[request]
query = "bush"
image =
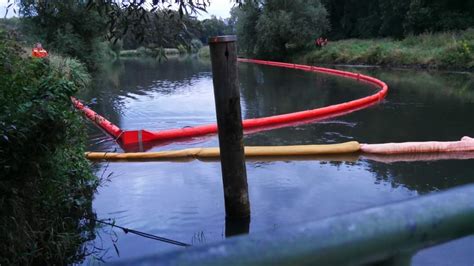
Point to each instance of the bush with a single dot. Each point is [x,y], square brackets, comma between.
[141,51]
[204,52]
[182,49]
[46,184]
[459,54]
[196,45]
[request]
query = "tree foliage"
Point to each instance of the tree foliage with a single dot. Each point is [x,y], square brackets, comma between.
[272,28]
[90,30]
[166,28]
[162,29]
[397,18]
[66,27]
[214,27]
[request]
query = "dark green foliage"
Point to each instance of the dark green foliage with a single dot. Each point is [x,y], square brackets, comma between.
[67,27]
[439,15]
[161,29]
[46,184]
[165,28]
[397,18]
[246,26]
[215,27]
[277,26]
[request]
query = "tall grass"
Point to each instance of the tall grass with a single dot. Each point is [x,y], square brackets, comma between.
[441,50]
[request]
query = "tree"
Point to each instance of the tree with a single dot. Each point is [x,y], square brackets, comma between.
[280,26]
[396,18]
[246,19]
[66,26]
[214,27]
[78,28]
[439,15]
[163,28]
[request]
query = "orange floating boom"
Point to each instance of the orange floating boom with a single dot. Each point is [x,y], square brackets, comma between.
[132,137]
[100,121]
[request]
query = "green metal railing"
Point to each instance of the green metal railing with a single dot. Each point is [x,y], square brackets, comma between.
[385,235]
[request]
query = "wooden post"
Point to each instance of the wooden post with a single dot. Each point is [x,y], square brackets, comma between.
[229,121]
[237,226]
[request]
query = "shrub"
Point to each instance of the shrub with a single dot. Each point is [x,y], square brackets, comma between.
[141,51]
[182,49]
[458,54]
[46,184]
[204,52]
[196,45]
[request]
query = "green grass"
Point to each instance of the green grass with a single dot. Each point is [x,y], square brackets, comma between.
[147,52]
[441,50]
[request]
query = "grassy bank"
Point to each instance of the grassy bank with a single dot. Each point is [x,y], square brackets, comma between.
[147,52]
[450,50]
[46,185]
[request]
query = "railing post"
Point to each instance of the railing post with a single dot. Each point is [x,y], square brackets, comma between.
[229,121]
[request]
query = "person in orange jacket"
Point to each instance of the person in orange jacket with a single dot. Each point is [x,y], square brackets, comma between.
[39,51]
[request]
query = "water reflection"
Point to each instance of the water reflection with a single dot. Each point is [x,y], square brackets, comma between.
[184,201]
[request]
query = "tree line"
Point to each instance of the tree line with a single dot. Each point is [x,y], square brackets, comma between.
[266,28]
[275,28]
[94,31]
[396,18]
[166,28]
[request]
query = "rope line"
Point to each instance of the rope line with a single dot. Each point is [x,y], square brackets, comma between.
[143,234]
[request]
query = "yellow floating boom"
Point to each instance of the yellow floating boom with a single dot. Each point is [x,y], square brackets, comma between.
[250,151]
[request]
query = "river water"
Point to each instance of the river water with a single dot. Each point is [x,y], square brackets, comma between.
[184,200]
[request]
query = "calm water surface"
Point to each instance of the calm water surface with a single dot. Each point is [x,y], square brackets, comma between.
[184,200]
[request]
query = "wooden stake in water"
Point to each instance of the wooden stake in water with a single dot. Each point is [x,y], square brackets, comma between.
[229,121]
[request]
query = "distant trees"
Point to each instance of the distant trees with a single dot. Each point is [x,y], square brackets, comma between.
[271,28]
[214,27]
[95,30]
[396,18]
[81,29]
[166,28]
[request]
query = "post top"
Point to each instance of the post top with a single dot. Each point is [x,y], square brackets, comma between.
[223,38]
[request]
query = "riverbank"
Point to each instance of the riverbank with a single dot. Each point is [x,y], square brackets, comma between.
[450,50]
[46,187]
[144,52]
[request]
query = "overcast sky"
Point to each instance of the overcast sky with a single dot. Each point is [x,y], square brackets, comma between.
[219,8]
[3,4]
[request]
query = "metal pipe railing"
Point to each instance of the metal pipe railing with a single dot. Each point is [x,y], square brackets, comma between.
[387,234]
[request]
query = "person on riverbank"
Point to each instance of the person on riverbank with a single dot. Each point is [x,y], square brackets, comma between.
[320,42]
[38,51]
